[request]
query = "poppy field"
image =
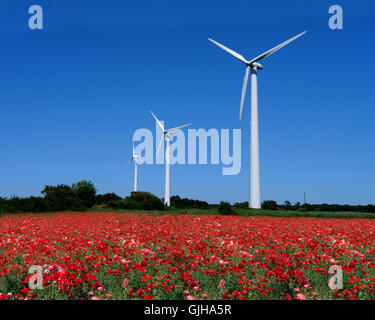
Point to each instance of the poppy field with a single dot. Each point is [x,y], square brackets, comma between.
[109,256]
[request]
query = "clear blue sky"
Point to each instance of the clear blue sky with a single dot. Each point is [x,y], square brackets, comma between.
[72,95]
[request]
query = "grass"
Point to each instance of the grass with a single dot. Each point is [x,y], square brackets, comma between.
[250,213]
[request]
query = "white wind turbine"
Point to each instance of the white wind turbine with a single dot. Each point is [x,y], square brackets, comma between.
[166,135]
[254,139]
[135,159]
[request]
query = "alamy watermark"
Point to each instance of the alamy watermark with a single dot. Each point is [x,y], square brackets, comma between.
[36,280]
[335,282]
[36,20]
[336,21]
[203,147]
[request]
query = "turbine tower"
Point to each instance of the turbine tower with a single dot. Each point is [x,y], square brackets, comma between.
[135,159]
[166,136]
[254,132]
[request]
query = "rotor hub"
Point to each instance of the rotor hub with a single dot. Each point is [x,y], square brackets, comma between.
[257,66]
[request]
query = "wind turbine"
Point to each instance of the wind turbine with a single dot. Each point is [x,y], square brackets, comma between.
[254,132]
[166,136]
[135,159]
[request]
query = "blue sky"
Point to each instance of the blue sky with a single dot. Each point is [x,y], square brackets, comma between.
[73,93]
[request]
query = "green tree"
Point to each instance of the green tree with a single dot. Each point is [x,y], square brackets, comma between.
[86,192]
[146,201]
[243,205]
[269,205]
[225,208]
[287,205]
[186,203]
[106,198]
[369,208]
[138,200]
[62,197]
[296,206]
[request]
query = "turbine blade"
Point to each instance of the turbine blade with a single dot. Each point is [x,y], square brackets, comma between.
[185,125]
[129,162]
[230,51]
[158,122]
[160,143]
[269,52]
[244,86]
[133,148]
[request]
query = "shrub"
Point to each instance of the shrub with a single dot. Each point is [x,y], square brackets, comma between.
[123,204]
[269,205]
[369,208]
[243,205]
[225,208]
[151,204]
[106,198]
[85,191]
[296,206]
[140,196]
[306,207]
[69,202]
[325,207]
[287,205]
[6,207]
[138,201]
[146,201]
[186,203]
[35,204]
[62,197]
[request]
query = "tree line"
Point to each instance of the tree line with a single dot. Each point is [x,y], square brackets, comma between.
[324,207]
[82,196]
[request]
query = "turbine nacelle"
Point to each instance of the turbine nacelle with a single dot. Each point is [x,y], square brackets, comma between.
[256,65]
[134,157]
[167,132]
[253,64]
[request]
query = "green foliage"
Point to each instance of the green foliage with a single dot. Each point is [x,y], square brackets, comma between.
[326,207]
[61,198]
[186,203]
[15,204]
[296,206]
[138,201]
[140,196]
[369,208]
[287,205]
[225,208]
[78,197]
[8,205]
[82,196]
[34,204]
[243,205]
[106,198]
[269,205]
[85,191]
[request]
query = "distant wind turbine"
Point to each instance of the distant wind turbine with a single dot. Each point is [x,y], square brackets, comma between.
[166,135]
[135,159]
[254,140]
